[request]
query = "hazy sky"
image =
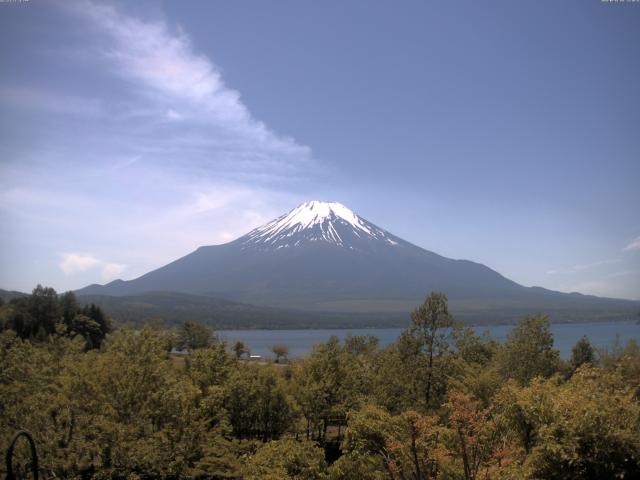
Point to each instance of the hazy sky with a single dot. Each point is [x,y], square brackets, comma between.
[503,132]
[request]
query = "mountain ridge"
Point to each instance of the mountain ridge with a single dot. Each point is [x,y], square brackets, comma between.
[321,256]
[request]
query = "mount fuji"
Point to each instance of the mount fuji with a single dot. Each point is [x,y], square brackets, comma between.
[322,257]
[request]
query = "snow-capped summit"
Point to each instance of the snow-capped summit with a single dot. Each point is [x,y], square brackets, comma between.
[316,221]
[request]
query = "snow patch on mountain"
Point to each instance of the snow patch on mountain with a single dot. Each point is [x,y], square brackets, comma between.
[315,221]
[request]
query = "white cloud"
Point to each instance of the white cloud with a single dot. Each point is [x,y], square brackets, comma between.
[599,263]
[163,158]
[72,263]
[111,271]
[623,273]
[173,115]
[77,262]
[634,245]
[179,84]
[584,266]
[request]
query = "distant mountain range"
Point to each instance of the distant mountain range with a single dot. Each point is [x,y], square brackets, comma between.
[323,264]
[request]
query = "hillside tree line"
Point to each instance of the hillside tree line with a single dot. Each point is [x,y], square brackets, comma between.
[440,403]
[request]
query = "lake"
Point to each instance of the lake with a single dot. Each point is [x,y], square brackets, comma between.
[565,336]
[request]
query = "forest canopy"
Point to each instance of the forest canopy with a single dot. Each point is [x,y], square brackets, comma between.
[439,403]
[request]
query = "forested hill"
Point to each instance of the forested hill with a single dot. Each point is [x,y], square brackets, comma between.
[173,308]
[7,295]
[439,403]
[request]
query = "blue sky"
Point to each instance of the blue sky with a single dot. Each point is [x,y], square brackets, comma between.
[501,132]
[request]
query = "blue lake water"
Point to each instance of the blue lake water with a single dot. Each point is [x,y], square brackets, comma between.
[300,342]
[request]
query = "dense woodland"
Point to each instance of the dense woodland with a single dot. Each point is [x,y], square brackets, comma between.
[439,403]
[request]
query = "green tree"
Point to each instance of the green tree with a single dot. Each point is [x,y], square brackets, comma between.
[87,328]
[287,458]
[257,402]
[222,458]
[583,352]
[320,387]
[528,351]
[209,366]
[591,430]
[417,362]
[405,445]
[44,308]
[473,348]
[240,349]
[193,335]
[69,307]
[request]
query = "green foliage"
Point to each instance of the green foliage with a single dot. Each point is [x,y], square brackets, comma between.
[208,367]
[430,329]
[321,387]
[193,335]
[44,313]
[257,403]
[404,445]
[584,428]
[240,349]
[473,348]
[582,353]
[413,372]
[282,459]
[440,403]
[528,351]
[222,458]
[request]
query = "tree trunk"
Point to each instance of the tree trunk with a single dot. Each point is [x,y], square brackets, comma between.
[414,454]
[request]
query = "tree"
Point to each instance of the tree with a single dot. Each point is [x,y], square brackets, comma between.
[130,409]
[194,335]
[430,329]
[257,402]
[590,431]
[44,314]
[320,387]
[69,307]
[281,351]
[44,308]
[211,366]
[405,444]
[473,348]
[288,458]
[87,328]
[240,349]
[222,458]
[583,352]
[94,331]
[369,435]
[476,435]
[528,351]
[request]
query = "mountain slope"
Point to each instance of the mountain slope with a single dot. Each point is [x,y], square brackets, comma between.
[323,257]
[7,295]
[174,308]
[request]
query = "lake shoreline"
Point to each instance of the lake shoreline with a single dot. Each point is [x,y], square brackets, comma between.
[472,325]
[300,341]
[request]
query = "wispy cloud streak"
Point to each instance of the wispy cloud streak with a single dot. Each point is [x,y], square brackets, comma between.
[584,266]
[154,156]
[633,245]
[178,85]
